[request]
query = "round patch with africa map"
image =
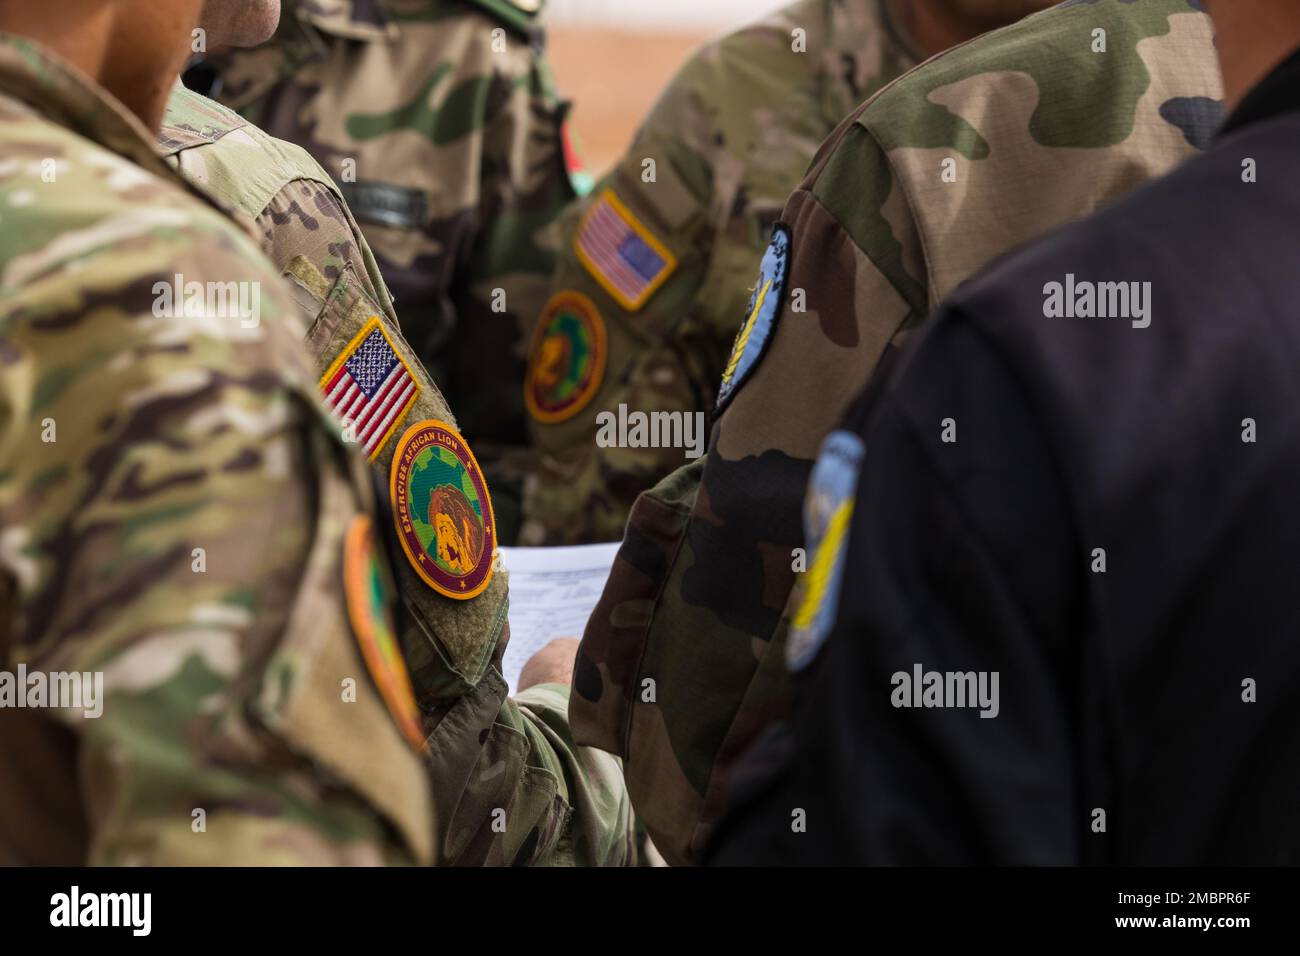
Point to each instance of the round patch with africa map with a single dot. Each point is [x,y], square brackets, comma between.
[567,361]
[442,510]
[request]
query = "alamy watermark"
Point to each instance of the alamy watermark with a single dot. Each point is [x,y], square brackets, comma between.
[63,690]
[218,300]
[651,430]
[1073,299]
[130,910]
[946,689]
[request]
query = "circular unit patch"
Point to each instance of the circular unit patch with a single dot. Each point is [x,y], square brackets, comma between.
[368,595]
[442,510]
[567,360]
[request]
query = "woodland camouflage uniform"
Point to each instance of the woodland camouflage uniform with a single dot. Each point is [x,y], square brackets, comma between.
[1039,127]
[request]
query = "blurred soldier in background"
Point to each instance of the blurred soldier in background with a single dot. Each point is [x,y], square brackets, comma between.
[183,520]
[654,265]
[1102,549]
[440,122]
[989,145]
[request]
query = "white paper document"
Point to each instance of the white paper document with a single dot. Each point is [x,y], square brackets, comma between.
[552,593]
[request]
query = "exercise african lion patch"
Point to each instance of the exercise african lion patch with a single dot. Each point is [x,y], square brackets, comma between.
[764,308]
[370,388]
[442,510]
[369,595]
[567,360]
[621,253]
[828,511]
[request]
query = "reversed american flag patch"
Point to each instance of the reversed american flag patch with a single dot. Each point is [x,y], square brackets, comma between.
[370,388]
[621,253]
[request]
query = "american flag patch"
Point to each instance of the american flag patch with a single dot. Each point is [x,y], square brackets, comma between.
[621,253]
[370,388]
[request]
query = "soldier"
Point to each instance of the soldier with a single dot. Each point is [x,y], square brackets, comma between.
[1104,553]
[452,646]
[654,265]
[440,122]
[975,151]
[188,531]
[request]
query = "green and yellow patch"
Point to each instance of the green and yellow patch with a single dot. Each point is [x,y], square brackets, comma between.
[369,595]
[566,363]
[442,510]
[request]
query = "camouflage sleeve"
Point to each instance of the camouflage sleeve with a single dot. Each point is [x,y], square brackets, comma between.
[174,514]
[509,785]
[306,218]
[608,335]
[716,548]
[513,789]
[600,830]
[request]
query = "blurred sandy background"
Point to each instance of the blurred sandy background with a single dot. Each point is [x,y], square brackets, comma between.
[612,58]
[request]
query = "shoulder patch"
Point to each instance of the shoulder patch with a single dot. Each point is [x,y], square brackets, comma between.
[369,594]
[621,253]
[442,510]
[828,512]
[370,388]
[764,308]
[566,363]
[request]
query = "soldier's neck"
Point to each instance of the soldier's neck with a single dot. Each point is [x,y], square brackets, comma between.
[121,44]
[929,27]
[1253,37]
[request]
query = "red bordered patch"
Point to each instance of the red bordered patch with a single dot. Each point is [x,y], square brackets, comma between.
[442,510]
[368,595]
[567,360]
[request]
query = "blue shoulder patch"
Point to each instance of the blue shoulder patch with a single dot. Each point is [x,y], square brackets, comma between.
[764,308]
[828,513]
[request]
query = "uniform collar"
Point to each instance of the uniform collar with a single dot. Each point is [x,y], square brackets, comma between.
[59,91]
[366,20]
[1277,93]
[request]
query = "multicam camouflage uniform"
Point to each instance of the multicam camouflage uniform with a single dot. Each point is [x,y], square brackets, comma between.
[440,121]
[662,264]
[174,510]
[178,515]
[1039,129]
[452,647]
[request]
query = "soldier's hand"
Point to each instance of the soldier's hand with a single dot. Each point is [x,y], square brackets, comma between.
[553,664]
